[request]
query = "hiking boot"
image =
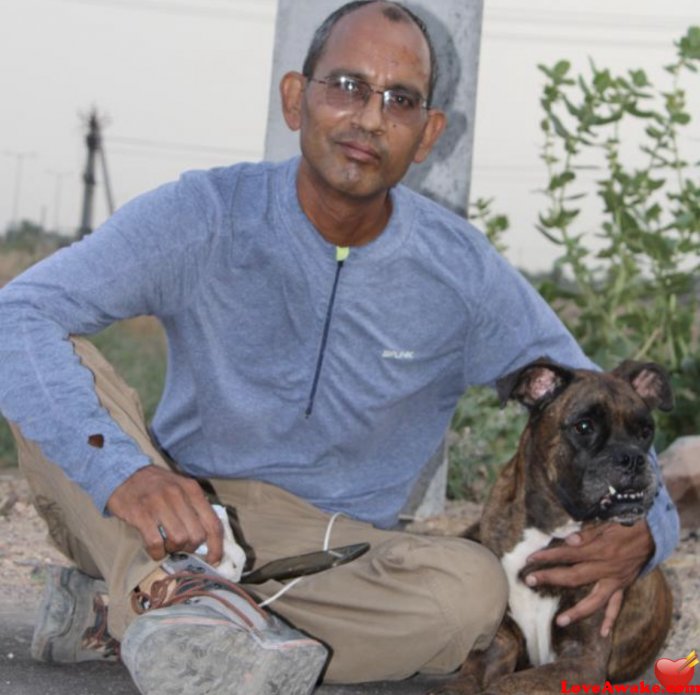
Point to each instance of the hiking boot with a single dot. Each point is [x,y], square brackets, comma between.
[72,620]
[200,634]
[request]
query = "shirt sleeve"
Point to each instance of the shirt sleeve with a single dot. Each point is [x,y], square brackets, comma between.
[145,260]
[515,326]
[663,522]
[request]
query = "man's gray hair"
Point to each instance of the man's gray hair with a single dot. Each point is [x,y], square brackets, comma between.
[394,11]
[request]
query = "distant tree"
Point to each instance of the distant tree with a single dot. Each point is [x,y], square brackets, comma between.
[32,238]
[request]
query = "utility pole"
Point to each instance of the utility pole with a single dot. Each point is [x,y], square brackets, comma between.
[19,161]
[95,149]
[58,185]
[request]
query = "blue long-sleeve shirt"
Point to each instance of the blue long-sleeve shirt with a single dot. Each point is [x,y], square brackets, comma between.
[335,380]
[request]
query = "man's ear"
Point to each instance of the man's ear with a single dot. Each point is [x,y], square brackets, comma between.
[292,92]
[432,131]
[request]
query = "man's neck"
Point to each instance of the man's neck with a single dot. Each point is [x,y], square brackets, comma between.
[340,219]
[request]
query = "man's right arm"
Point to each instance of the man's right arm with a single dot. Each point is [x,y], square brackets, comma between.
[145,260]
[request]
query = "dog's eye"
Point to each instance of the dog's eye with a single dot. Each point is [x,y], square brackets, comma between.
[646,432]
[584,427]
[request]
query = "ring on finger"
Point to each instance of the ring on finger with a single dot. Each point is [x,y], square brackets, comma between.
[162,532]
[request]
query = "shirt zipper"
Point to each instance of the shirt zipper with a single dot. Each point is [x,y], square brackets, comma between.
[341,253]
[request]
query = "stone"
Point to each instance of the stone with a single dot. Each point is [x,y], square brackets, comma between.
[680,465]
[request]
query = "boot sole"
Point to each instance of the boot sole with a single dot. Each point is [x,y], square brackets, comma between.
[188,654]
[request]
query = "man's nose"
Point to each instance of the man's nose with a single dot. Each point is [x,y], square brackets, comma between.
[371,115]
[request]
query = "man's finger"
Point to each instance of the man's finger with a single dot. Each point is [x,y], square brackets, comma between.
[588,605]
[153,540]
[566,554]
[576,575]
[208,524]
[612,610]
[583,546]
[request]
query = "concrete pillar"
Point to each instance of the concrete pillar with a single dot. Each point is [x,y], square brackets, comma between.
[455,27]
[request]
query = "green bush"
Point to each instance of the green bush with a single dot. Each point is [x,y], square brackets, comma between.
[626,288]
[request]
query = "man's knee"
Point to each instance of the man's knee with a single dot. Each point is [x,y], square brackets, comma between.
[470,591]
[465,598]
[469,585]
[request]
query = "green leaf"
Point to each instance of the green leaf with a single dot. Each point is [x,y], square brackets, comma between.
[559,128]
[561,180]
[690,44]
[681,117]
[561,69]
[639,78]
[542,230]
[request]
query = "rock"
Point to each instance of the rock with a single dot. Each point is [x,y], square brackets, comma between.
[7,502]
[680,464]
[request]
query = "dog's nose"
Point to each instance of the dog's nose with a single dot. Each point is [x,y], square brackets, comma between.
[632,462]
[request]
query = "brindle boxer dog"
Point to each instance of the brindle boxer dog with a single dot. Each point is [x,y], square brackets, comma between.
[582,459]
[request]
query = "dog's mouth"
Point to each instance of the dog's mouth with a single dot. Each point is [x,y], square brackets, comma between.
[624,506]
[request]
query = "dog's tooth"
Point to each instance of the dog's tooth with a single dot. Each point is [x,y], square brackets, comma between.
[612,490]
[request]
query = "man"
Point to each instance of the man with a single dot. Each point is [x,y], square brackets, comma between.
[322,322]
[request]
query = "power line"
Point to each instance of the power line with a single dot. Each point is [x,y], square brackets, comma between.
[182,147]
[568,39]
[178,8]
[58,185]
[19,162]
[655,23]
[179,157]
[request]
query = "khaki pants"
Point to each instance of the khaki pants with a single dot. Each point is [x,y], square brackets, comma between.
[411,604]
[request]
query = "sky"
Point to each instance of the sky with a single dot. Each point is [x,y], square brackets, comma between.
[183,84]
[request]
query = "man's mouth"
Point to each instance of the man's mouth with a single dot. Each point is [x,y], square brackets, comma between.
[359,151]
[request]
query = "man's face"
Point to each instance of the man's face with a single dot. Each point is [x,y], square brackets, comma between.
[361,152]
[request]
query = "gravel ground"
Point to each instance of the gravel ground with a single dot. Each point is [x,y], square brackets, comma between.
[25,552]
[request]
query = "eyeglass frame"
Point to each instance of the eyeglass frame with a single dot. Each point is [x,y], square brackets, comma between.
[423,103]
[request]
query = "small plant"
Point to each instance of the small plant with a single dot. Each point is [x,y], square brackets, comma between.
[482,438]
[493,224]
[627,288]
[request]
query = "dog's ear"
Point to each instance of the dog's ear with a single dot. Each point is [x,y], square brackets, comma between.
[534,383]
[650,381]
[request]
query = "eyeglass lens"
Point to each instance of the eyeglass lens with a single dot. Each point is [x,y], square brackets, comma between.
[346,92]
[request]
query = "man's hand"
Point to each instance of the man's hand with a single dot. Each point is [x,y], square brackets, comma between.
[608,555]
[170,512]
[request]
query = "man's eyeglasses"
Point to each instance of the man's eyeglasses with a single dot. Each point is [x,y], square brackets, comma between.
[351,93]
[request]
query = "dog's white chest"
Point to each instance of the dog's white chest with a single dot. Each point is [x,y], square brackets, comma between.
[533,613]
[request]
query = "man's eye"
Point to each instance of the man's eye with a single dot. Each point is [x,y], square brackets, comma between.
[584,427]
[348,85]
[402,101]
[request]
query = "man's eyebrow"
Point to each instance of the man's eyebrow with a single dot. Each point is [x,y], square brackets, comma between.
[399,86]
[340,72]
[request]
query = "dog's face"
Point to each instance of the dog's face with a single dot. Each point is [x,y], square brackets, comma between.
[594,430]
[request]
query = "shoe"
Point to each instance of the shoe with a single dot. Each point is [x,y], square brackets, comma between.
[198,634]
[72,620]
